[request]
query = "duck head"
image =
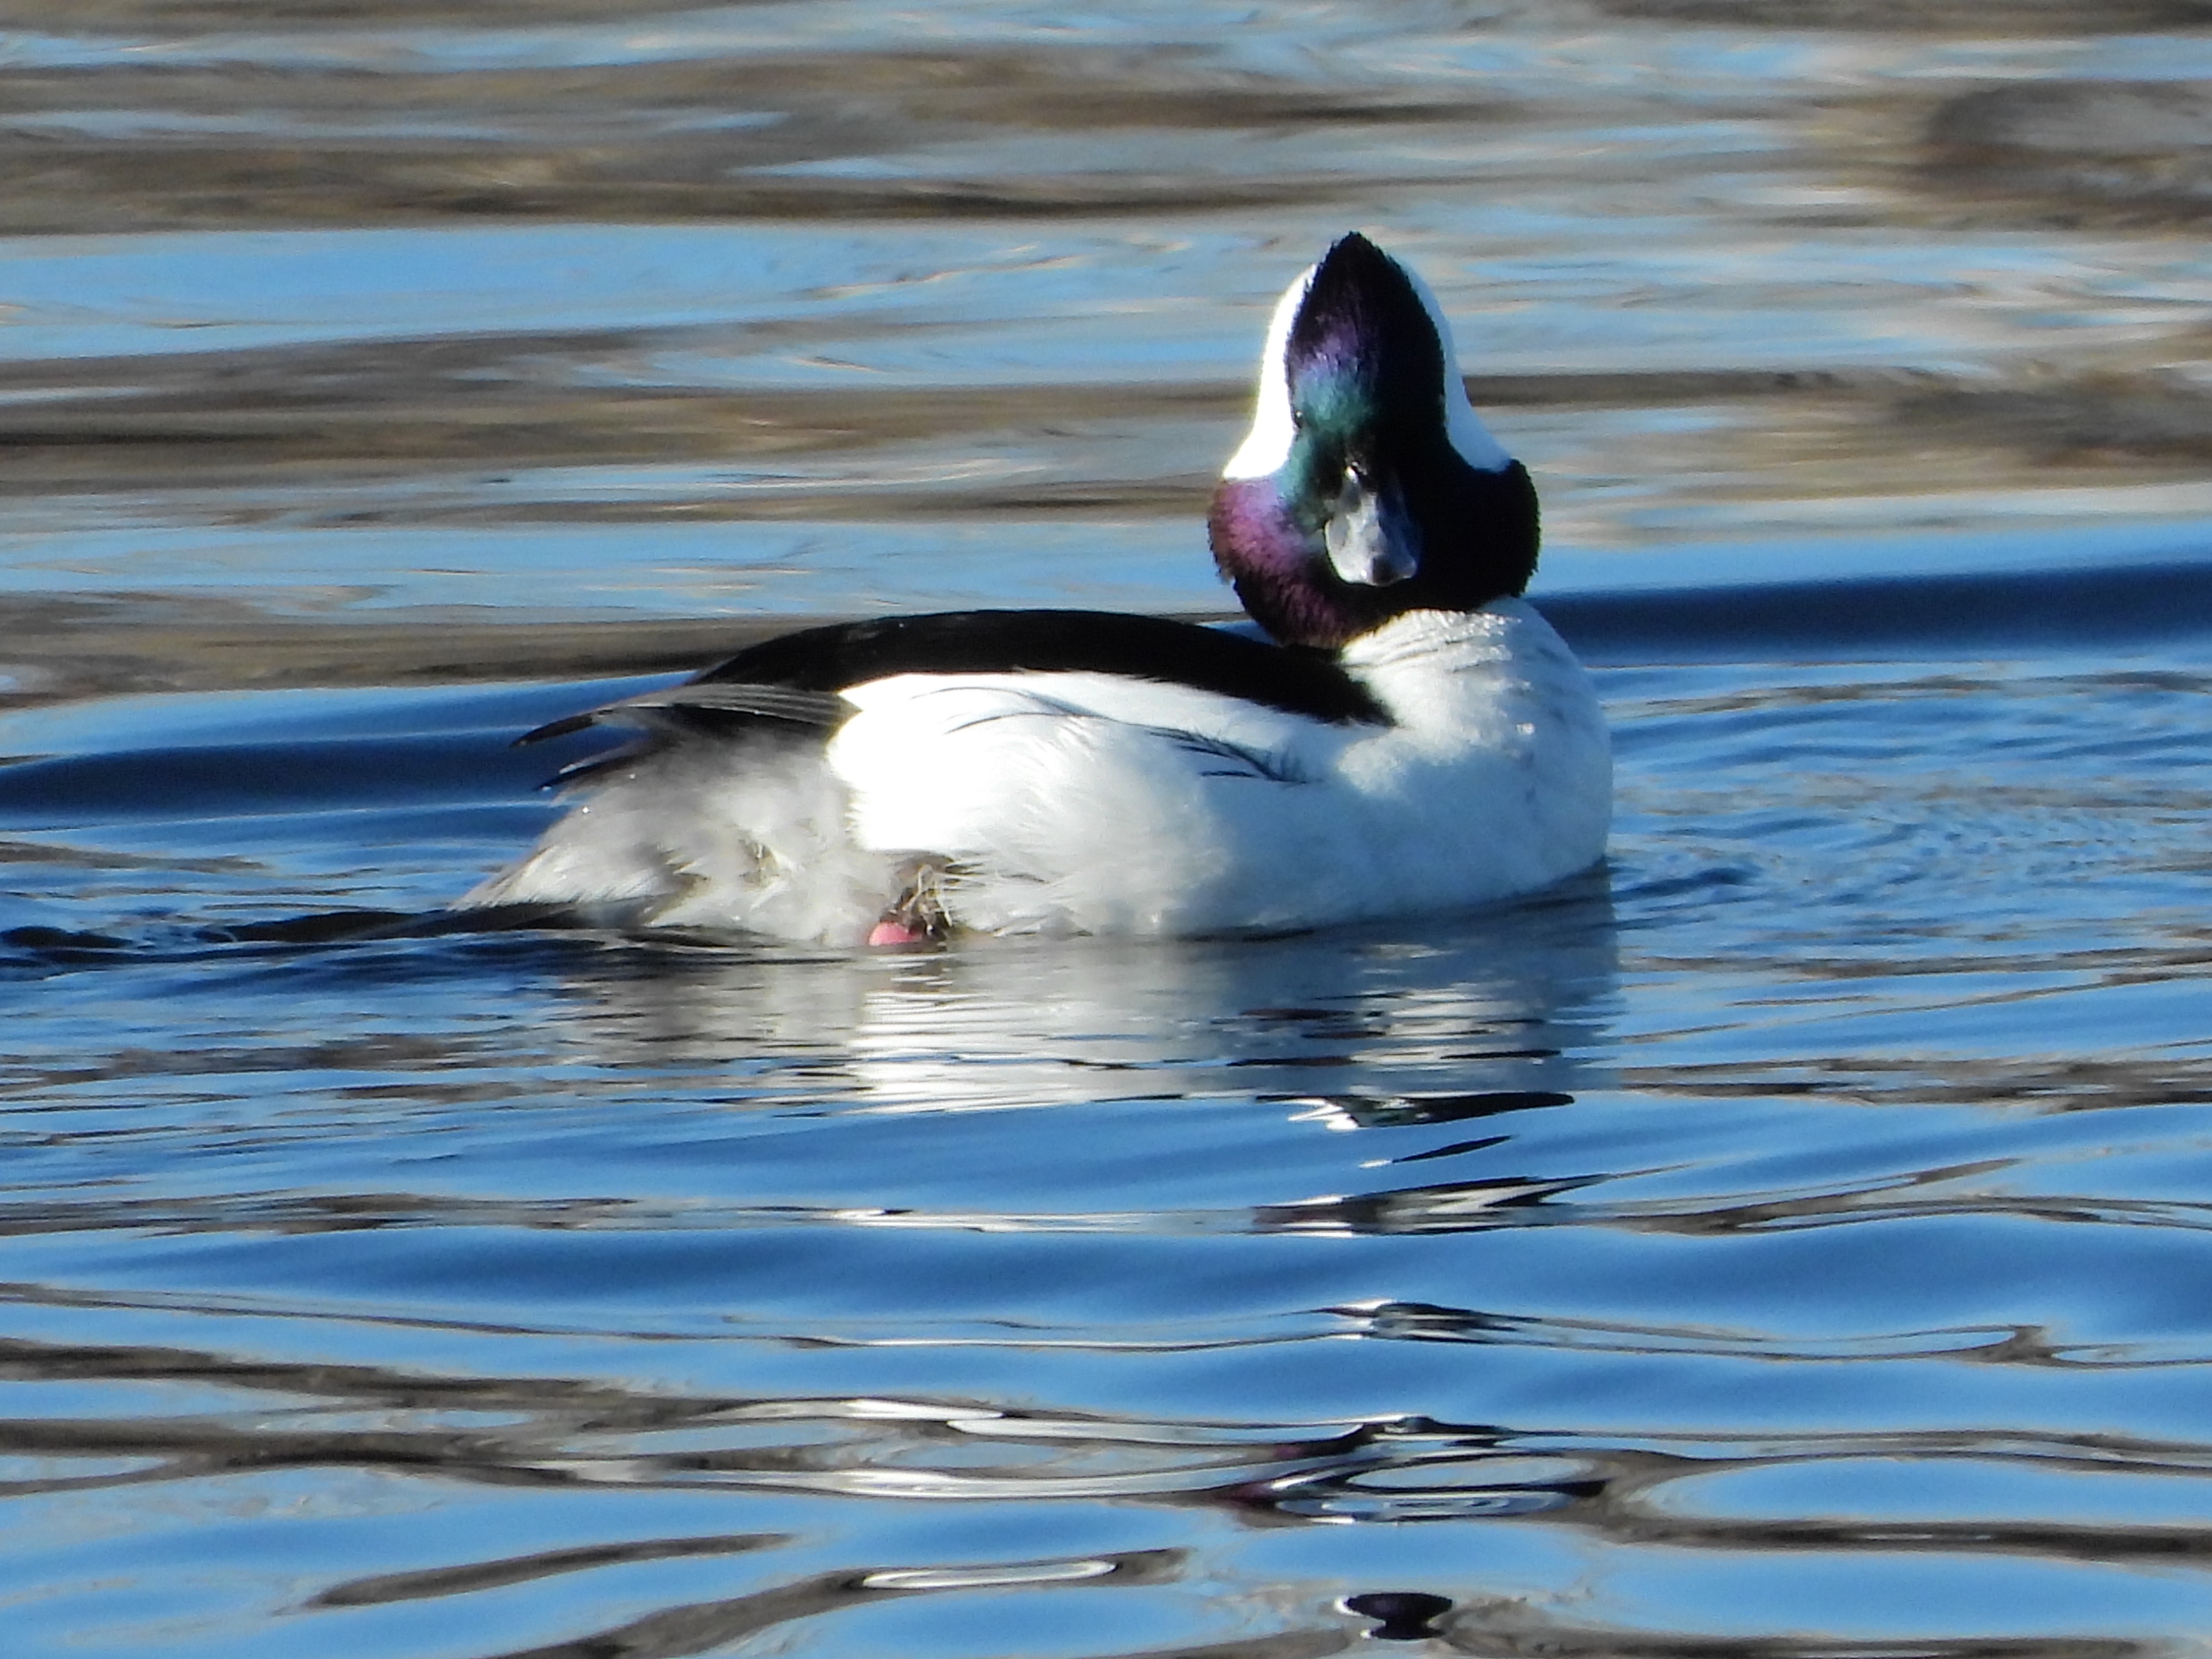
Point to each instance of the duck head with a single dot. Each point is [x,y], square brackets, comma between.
[1366,487]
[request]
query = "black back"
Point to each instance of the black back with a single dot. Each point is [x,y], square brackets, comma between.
[828,660]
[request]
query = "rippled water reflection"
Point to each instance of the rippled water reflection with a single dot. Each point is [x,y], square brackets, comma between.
[1784,1243]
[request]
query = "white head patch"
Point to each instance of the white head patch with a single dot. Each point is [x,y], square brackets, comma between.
[1461,424]
[1267,446]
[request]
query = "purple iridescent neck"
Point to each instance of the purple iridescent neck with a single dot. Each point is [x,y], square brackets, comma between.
[1478,533]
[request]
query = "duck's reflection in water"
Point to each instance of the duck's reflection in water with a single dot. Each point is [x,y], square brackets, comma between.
[1483,1003]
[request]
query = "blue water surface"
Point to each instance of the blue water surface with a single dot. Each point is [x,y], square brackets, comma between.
[1782,1242]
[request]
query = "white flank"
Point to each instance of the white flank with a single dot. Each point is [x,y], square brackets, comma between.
[750,834]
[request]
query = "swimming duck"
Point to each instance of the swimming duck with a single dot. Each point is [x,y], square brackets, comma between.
[1412,737]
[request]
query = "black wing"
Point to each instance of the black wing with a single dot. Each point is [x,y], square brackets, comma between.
[696,707]
[704,704]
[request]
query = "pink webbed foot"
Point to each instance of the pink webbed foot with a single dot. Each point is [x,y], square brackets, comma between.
[918,916]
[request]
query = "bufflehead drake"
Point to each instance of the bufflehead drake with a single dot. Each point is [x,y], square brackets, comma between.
[1416,738]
